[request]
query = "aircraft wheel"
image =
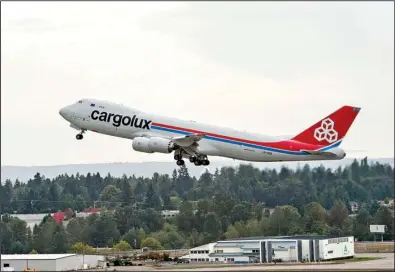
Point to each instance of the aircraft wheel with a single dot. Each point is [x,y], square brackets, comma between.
[180,162]
[192,159]
[197,162]
[177,157]
[79,136]
[206,162]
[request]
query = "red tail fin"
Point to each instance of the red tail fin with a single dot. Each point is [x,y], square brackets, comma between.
[331,129]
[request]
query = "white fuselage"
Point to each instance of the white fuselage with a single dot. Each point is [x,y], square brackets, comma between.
[84,116]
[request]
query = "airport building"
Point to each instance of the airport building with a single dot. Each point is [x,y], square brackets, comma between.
[274,249]
[35,219]
[50,262]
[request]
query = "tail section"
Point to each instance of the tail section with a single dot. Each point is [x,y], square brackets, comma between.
[330,130]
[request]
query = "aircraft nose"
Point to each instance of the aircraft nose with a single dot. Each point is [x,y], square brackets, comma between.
[64,112]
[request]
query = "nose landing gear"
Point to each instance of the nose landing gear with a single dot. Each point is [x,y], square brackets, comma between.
[79,136]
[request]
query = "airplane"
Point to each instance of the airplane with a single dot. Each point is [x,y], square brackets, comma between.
[195,141]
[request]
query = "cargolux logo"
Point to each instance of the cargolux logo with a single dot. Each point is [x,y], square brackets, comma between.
[326,131]
[118,119]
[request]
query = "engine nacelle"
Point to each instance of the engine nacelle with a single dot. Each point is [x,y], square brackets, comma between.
[160,145]
[153,145]
[141,144]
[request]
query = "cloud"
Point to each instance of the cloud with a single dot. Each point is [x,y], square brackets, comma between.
[269,68]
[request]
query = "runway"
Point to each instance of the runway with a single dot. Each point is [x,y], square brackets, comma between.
[386,264]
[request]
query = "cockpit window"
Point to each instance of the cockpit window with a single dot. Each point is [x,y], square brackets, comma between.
[80,101]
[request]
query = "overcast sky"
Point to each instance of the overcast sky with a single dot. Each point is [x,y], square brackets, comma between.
[269,68]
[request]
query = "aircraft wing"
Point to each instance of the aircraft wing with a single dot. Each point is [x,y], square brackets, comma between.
[187,140]
[320,153]
[187,143]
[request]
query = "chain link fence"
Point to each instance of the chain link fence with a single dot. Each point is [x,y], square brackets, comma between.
[374,247]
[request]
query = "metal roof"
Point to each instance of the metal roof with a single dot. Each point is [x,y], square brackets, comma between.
[313,237]
[34,256]
[203,247]
[295,237]
[224,254]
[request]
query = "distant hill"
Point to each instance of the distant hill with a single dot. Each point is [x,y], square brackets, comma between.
[147,169]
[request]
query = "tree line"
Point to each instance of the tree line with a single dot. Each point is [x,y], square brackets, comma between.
[128,227]
[227,204]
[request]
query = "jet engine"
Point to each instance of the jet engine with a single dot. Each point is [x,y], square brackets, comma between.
[152,145]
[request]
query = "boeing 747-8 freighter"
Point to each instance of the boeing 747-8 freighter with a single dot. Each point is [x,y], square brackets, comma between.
[196,141]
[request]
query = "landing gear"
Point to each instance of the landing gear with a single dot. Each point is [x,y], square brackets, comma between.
[178,158]
[201,161]
[192,159]
[79,136]
[180,162]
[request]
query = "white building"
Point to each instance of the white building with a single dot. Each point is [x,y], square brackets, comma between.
[270,249]
[169,213]
[201,253]
[35,219]
[30,219]
[50,262]
[239,251]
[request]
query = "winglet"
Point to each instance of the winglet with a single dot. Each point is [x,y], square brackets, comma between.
[331,129]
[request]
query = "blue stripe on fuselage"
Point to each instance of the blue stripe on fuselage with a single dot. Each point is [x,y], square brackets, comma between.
[244,144]
[331,146]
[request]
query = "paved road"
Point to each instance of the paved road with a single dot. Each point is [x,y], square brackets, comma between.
[386,263]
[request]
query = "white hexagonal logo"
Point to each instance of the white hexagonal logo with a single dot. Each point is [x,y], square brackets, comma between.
[326,131]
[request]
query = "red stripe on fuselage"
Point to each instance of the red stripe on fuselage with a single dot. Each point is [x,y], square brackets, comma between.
[290,145]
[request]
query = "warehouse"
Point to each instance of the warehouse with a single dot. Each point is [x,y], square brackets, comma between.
[274,249]
[239,251]
[50,262]
[201,253]
[306,248]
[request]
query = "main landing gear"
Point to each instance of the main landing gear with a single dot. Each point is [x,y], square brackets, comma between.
[197,161]
[200,161]
[79,136]
[179,159]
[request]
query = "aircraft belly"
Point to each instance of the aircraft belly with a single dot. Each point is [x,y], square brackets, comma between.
[106,129]
[228,150]
[206,148]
